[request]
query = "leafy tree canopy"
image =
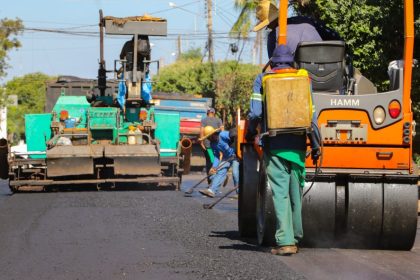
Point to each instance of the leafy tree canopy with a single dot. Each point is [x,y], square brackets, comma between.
[8,29]
[230,88]
[30,90]
[194,54]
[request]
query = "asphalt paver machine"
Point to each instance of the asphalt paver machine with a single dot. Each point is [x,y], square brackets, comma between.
[363,193]
[113,138]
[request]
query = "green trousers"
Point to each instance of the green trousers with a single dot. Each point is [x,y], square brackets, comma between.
[287,197]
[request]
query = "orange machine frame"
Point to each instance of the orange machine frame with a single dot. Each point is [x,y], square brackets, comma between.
[384,149]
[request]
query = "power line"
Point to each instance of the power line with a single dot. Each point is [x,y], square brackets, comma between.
[171,9]
[96,33]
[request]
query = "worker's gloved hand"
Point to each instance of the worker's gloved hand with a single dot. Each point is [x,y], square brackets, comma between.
[212,171]
[315,154]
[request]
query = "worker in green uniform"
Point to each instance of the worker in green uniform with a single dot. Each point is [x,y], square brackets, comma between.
[284,157]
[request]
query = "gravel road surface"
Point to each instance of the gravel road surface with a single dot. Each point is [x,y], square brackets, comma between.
[160,235]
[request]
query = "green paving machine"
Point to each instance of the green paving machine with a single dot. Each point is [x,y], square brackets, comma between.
[110,138]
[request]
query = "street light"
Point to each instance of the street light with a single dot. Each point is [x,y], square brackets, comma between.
[175,6]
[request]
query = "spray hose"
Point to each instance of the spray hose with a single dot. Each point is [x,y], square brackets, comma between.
[317,167]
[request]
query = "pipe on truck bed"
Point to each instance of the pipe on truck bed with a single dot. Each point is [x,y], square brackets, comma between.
[186,150]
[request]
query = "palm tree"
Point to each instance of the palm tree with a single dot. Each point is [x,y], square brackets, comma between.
[242,25]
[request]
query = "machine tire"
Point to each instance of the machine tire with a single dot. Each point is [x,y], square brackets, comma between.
[266,218]
[248,184]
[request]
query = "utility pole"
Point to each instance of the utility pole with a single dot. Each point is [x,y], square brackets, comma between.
[179,46]
[210,31]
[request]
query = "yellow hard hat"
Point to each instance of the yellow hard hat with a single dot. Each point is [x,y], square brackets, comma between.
[208,131]
[266,12]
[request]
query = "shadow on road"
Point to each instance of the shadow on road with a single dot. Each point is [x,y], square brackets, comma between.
[247,244]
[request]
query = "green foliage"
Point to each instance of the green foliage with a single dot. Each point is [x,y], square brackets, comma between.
[417,159]
[194,54]
[234,88]
[242,25]
[230,85]
[30,90]
[186,76]
[8,28]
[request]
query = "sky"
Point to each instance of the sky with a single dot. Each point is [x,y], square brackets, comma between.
[63,54]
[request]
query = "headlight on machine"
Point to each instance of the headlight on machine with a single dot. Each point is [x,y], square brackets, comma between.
[379,115]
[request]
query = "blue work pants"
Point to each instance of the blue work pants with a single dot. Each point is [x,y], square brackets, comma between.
[220,176]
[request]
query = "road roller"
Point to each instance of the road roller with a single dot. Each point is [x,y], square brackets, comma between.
[108,138]
[363,192]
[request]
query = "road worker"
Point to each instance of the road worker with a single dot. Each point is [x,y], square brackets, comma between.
[143,52]
[299,28]
[223,146]
[214,122]
[142,69]
[284,158]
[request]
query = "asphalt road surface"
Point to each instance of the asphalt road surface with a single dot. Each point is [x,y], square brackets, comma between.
[160,235]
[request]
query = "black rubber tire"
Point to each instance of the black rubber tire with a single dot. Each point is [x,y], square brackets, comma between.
[248,184]
[266,218]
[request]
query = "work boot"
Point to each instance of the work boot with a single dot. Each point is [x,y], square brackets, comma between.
[284,250]
[207,192]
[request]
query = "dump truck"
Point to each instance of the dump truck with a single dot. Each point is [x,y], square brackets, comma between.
[363,193]
[109,135]
[192,111]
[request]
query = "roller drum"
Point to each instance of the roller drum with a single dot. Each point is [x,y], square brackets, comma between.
[400,216]
[266,217]
[319,214]
[248,184]
[360,213]
[364,215]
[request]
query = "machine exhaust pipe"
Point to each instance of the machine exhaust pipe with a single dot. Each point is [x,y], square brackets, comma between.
[4,164]
[186,150]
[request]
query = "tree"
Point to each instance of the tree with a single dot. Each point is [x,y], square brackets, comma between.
[230,87]
[30,90]
[242,25]
[194,54]
[8,29]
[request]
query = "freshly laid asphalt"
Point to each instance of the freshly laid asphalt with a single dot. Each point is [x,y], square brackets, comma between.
[141,234]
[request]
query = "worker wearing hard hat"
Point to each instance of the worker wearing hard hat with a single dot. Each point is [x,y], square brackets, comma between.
[222,144]
[299,28]
[284,157]
[214,122]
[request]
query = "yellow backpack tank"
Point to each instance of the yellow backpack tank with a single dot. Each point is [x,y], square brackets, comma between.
[287,97]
